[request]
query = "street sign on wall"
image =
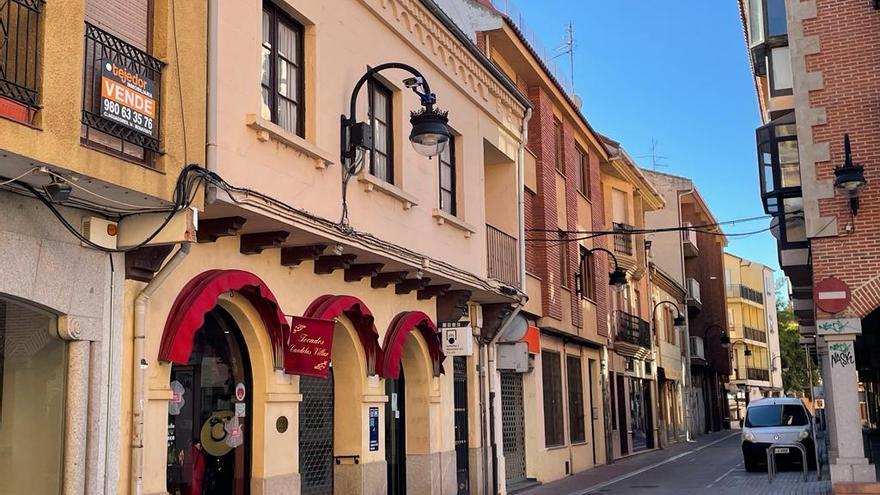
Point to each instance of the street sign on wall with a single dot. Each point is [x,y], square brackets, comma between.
[831,295]
[457,339]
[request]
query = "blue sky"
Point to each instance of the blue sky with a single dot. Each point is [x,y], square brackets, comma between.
[678,73]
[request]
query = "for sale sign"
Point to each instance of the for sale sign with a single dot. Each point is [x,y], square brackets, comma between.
[127,98]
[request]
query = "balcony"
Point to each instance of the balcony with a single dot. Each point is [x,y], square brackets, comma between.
[632,335]
[20,58]
[698,348]
[121,95]
[623,243]
[689,241]
[757,374]
[754,334]
[503,256]
[693,294]
[741,291]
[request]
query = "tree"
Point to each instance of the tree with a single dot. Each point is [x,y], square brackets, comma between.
[795,372]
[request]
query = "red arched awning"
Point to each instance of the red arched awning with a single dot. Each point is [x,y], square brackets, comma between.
[398,331]
[329,306]
[199,296]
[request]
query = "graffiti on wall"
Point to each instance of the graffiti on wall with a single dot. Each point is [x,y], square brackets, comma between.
[841,354]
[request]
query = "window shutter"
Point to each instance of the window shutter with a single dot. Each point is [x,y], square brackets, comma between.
[127,19]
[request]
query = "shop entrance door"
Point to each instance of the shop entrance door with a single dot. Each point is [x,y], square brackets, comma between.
[461,424]
[209,438]
[637,415]
[513,427]
[316,435]
[395,435]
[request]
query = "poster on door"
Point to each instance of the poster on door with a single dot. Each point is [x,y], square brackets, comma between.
[307,347]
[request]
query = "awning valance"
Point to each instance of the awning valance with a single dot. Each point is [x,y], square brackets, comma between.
[396,336]
[199,296]
[329,306]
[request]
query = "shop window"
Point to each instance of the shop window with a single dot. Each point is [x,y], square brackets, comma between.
[552,375]
[282,70]
[447,178]
[576,425]
[381,111]
[32,391]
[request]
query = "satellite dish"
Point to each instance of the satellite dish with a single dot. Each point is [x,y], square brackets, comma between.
[577,101]
[516,329]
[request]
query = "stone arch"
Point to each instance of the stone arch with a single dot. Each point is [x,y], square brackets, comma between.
[349,361]
[866,298]
[416,362]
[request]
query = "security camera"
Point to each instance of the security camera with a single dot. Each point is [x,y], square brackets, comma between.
[412,82]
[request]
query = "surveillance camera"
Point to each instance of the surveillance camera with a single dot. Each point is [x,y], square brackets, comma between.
[412,82]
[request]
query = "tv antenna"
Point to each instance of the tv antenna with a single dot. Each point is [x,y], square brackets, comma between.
[567,48]
[656,159]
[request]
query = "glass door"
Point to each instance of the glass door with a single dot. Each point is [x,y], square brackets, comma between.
[395,435]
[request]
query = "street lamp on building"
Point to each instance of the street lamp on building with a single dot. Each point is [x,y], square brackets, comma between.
[850,177]
[616,279]
[429,135]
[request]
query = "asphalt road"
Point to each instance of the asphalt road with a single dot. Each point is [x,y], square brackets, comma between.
[715,469]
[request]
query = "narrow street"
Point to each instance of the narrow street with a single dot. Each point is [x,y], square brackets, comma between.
[712,464]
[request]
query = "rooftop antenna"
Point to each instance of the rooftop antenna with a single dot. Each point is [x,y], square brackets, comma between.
[656,160]
[567,48]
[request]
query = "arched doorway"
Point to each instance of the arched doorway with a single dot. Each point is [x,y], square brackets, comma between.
[209,435]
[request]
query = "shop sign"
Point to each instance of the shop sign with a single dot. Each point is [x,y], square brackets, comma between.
[839,326]
[457,339]
[307,347]
[127,99]
[374,429]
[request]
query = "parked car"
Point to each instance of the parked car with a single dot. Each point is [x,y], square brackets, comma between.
[777,420]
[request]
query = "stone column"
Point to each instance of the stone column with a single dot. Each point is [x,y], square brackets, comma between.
[848,462]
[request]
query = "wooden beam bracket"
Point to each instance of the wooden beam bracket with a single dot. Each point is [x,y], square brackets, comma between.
[356,273]
[411,284]
[294,255]
[329,264]
[382,280]
[212,229]
[255,243]
[433,291]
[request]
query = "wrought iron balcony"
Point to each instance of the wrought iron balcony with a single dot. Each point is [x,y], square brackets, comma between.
[19,51]
[758,374]
[623,240]
[633,330]
[503,256]
[121,90]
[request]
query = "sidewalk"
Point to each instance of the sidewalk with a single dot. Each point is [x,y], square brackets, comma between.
[597,477]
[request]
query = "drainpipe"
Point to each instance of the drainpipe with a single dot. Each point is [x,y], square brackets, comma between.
[521,185]
[211,130]
[139,366]
[688,386]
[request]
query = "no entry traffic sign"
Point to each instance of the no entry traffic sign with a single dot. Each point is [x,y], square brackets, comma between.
[831,295]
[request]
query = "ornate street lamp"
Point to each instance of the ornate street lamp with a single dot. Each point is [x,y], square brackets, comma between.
[850,177]
[679,322]
[725,339]
[429,135]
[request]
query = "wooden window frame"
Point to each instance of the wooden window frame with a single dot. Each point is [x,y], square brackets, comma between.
[375,86]
[558,145]
[583,171]
[587,274]
[278,16]
[452,208]
[554,434]
[564,265]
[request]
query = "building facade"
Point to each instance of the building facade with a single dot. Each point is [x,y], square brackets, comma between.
[817,154]
[82,148]
[632,356]
[754,338]
[387,245]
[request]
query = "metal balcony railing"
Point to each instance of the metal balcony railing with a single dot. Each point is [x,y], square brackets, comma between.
[19,50]
[121,89]
[754,334]
[632,329]
[503,256]
[623,243]
[758,374]
[737,290]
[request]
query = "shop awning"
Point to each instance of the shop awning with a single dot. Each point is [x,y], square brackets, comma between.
[330,306]
[199,296]
[398,332]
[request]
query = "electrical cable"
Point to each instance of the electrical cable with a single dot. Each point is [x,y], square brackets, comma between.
[179,85]
[10,181]
[138,208]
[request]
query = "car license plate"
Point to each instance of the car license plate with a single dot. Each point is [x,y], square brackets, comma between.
[782,450]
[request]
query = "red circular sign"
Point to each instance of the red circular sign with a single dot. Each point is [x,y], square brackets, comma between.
[831,295]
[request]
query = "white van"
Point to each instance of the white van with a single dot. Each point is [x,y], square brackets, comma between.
[777,420]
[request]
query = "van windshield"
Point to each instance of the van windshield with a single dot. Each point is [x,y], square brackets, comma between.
[777,415]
